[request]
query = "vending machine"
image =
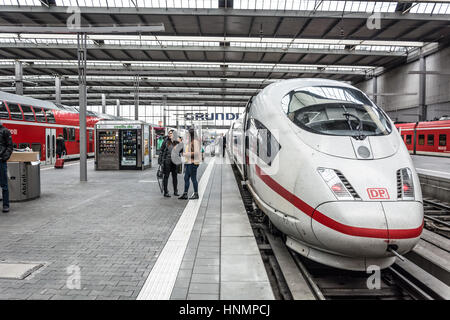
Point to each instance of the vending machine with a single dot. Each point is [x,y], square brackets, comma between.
[122,145]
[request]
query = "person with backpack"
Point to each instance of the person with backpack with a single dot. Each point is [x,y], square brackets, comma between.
[6,149]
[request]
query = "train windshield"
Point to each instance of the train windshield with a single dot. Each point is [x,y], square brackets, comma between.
[336,111]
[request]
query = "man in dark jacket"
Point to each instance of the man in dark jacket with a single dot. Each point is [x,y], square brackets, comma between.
[168,165]
[60,146]
[6,148]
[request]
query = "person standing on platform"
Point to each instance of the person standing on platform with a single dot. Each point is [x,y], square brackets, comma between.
[168,166]
[60,146]
[6,149]
[224,145]
[192,155]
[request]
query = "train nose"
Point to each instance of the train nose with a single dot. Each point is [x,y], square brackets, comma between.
[366,229]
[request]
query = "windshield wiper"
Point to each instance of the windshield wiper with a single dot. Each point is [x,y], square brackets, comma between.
[347,116]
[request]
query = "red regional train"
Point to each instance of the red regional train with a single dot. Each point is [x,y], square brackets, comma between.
[36,124]
[426,138]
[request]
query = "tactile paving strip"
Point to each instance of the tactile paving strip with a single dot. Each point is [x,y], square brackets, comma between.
[161,279]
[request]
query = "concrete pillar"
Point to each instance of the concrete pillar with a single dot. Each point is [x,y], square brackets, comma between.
[103,103]
[422,89]
[58,89]
[19,77]
[375,89]
[118,107]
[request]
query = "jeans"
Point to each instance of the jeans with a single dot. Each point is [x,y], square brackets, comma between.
[4,182]
[190,172]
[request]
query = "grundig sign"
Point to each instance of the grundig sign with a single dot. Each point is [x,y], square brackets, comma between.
[211,116]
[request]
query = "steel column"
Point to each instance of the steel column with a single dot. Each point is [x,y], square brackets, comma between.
[118,107]
[164,110]
[422,89]
[375,89]
[58,89]
[103,103]
[19,77]
[136,97]
[82,52]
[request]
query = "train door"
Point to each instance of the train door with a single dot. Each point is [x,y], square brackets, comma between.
[50,140]
[90,141]
[245,127]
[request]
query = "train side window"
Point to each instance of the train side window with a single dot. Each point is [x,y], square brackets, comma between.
[4,114]
[421,140]
[408,139]
[24,145]
[40,115]
[16,113]
[91,135]
[28,113]
[65,134]
[36,147]
[442,139]
[430,140]
[50,116]
[267,146]
[71,136]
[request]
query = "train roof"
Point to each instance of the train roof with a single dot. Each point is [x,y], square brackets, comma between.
[290,84]
[15,98]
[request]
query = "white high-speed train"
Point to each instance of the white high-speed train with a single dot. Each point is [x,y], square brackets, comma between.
[329,169]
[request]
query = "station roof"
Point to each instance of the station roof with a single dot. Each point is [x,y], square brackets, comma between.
[216,47]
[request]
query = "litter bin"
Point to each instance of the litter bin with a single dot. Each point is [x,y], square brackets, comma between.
[24,180]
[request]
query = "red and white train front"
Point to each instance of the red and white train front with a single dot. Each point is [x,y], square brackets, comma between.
[331,172]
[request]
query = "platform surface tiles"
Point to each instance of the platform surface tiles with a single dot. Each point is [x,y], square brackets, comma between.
[117,237]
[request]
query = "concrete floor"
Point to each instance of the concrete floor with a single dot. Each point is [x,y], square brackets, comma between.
[111,229]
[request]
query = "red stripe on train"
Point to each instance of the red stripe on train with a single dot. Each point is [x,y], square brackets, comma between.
[333,224]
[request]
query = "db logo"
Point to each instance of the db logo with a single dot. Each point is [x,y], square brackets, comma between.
[378,193]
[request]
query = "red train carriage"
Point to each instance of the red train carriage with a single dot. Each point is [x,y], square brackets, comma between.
[36,124]
[427,138]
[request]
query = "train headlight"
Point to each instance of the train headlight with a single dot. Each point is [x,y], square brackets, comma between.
[405,184]
[336,184]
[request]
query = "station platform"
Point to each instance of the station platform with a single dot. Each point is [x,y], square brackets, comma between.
[117,237]
[434,175]
[432,166]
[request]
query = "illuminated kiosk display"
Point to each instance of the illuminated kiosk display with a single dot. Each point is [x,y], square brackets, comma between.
[123,145]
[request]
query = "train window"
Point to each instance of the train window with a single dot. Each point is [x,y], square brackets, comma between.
[40,115]
[442,140]
[50,116]
[408,139]
[71,134]
[4,114]
[430,140]
[337,111]
[65,134]
[36,147]
[267,146]
[91,135]
[24,145]
[421,140]
[16,113]
[28,113]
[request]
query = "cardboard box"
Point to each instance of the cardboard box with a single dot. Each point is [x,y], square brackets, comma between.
[24,157]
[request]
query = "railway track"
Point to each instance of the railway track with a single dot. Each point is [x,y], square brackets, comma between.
[294,277]
[437,216]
